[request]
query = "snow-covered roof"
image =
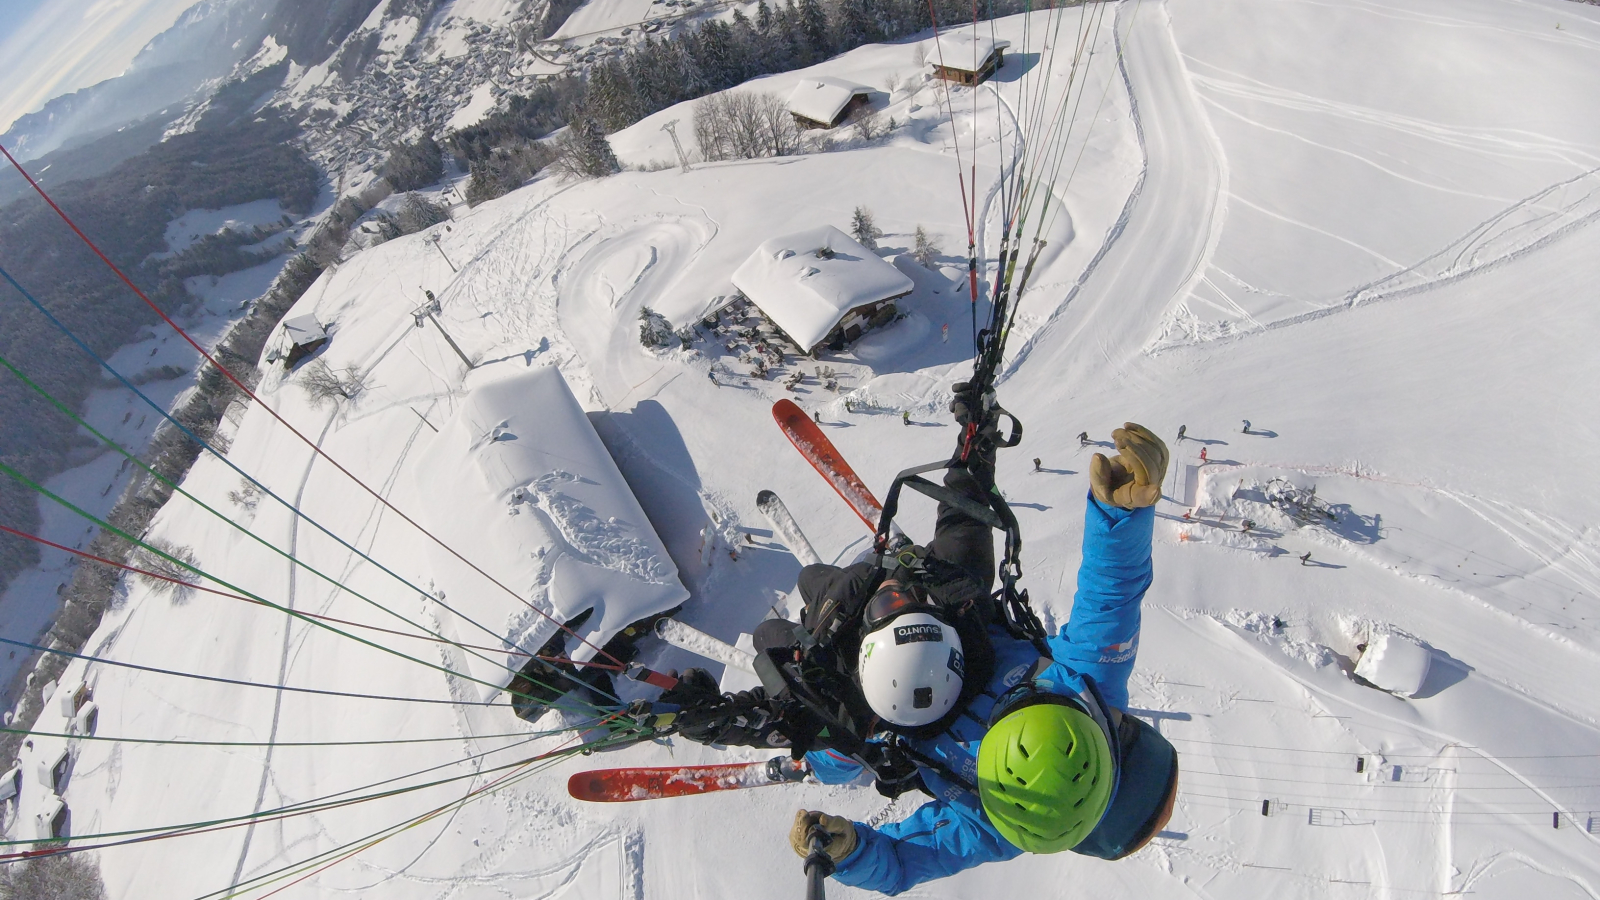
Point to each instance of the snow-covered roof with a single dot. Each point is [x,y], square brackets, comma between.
[304,330]
[821,99]
[958,49]
[806,294]
[520,483]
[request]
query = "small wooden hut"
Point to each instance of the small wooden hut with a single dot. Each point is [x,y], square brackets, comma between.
[967,58]
[827,102]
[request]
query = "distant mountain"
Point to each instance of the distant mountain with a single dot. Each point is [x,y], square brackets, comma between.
[202,47]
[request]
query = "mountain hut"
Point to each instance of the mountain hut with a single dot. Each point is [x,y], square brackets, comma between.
[966,58]
[306,336]
[826,102]
[820,287]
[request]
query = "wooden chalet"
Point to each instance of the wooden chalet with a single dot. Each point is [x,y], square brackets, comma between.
[827,102]
[966,58]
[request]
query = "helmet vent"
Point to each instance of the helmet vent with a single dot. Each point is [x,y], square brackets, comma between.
[1023,749]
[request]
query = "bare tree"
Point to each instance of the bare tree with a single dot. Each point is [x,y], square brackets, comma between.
[325,385]
[868,124]
[247,497]
[169,569]
[69,876]
[740,125]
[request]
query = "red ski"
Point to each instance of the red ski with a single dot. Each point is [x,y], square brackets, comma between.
[623,785]
[827,460]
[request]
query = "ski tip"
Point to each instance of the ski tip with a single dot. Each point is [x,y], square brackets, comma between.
[786,409]
[590,786]
[766,497]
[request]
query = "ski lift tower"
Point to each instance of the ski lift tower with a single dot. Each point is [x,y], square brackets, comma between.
[434,240]
[672,129]
[428,312]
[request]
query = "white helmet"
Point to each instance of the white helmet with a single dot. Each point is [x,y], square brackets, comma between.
[910,669]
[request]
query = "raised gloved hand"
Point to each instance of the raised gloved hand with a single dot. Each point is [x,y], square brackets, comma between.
[841,834]
[968,406]
[980,429]
[1133,479]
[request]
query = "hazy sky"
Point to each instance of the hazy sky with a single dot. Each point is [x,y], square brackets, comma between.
[54,47]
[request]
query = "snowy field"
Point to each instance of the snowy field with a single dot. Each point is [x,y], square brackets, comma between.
[1366,228]
[184,231]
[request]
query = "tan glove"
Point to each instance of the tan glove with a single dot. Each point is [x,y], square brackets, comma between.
[1134,478]
[841,834]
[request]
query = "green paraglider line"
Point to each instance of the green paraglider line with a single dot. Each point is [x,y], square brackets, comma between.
[321,804]
[17,476]
[131,457]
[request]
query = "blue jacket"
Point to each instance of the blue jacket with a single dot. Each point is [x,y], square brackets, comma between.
[951,833]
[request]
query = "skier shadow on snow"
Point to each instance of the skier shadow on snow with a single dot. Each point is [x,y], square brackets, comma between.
[1209,442]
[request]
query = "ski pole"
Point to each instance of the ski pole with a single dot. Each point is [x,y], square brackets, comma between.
[819,865]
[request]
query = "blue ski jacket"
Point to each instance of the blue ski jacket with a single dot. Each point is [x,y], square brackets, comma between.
[951,833]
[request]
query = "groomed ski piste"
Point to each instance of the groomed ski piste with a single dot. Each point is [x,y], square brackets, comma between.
[1367,228]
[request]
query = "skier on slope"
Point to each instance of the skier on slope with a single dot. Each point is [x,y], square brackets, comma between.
[1022,744]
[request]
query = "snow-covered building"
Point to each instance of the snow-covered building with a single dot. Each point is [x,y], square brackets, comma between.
[51,822]
[968,58]
[519,479]
[305,337]
[821,287]
[825,102]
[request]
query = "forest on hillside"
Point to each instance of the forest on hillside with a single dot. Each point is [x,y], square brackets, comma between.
[231,159]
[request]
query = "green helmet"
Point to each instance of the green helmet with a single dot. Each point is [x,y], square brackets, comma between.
[1045,774]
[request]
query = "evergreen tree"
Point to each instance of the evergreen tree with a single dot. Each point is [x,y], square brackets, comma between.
[863,229]
[925,250]
[585,152]
[814,31]
[611,99]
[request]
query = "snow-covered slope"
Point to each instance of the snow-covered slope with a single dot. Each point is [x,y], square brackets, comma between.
[1245,143]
